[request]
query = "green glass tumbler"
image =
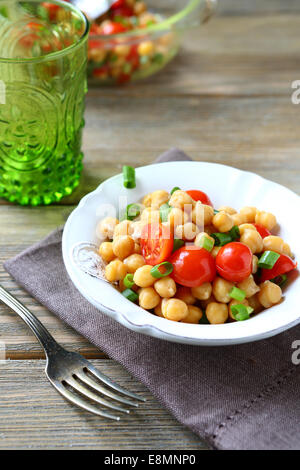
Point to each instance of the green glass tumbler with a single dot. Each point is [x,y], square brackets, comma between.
[43,61]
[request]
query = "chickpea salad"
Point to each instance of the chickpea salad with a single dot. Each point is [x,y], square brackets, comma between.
[175,255]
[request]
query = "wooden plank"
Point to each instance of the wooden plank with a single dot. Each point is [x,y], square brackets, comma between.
[256,7]
[34,416]
[21,227]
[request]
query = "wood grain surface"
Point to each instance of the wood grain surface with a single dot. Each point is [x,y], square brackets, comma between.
[227,99]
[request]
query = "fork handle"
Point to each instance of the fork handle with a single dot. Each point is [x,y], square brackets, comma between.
[47,341]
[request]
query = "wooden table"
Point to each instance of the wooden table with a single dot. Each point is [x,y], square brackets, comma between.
[226,99]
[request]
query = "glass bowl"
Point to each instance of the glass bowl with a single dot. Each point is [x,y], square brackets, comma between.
[139,53]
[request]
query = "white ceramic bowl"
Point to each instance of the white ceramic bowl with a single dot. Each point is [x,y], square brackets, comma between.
[225,186]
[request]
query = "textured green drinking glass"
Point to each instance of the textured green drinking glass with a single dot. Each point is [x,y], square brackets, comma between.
[43,60]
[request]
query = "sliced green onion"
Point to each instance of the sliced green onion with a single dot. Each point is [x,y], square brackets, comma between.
[164,212]
[241,312]
[221,239]
[268,260]
[156,270]
[235,233]
[132,211]
[280,280]
[174,189]
[237,294]
[206,243]
[204,320]
[130,295]
[178,243]
[129,177]
[128,281]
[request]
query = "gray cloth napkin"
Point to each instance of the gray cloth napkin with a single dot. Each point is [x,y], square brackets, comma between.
[238,397]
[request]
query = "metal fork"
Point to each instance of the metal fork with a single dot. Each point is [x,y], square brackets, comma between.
[71,374]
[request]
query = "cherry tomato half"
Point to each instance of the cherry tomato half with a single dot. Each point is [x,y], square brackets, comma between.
[234,262]
[263,231]
[193,266]
[113,28]
[200,196]
[156,243]
[284,265]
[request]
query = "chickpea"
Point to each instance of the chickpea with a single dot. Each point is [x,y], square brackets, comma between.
[205,303]
[158,311]
[254,264]
[158,198]
[255,303]
[202,214]
[200,239]
[202,292]
[165,287]
[253,240]
[147,200]
[194,315]
[115,271]
[137,249]
[106,252]
[149,216]
[185,294]
[270,294]
[139,8]
[123,246]
[177,217]
[145,18]
[148,298]
[273,243]
[223,222]
[97,55]
[236,302]
[174,309]
[122,50]
[134,262]
[249,213]
[142,277]
[215,251]
[249,286]
[146,48]
[107,226]
[238,219]
[229,210]
[287,250]
[217,313]
[244,227]
[221,289]
[123,228]
[187,231]
[266,219]
[136,230]
[181,200]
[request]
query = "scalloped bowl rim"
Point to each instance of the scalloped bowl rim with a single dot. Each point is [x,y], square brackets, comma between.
[266,324]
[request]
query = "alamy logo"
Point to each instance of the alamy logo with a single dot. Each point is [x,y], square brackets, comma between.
[296,354]
[296,93]
[2,92]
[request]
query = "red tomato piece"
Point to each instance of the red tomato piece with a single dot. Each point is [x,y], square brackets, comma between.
[126,12]
[94,44]
[34,26]
[124,78]
[200,196]
[133,57]
[101,72]
[263,231]
[193,266]
[118,4]
[234,262]
[95,30]
[113,28]
[284,265]
[52,9]
[29,40]
[156,243]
